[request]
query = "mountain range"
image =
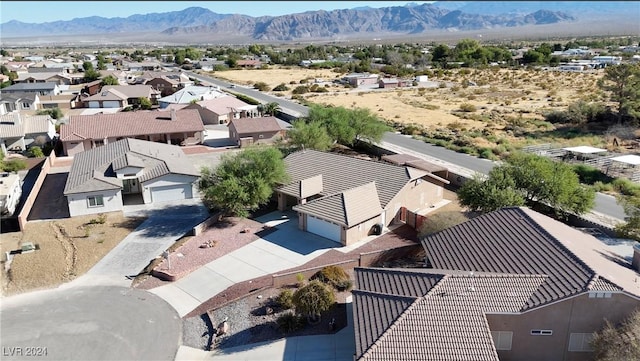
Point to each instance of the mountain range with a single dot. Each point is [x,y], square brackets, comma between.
[410,19]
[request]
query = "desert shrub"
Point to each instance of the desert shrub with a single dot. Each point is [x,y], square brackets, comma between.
[300,89]
[313,299]
[599,186]
[411,129]
[281,88]
[301,279]
[468,108]
[335,277]
[101,219]
[487,153]
[36,152]
[261,86]
[290,322]
[442,85]
[285,299]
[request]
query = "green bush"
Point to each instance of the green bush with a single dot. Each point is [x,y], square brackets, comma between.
[590,175]
[13,165]
[335,277]
[261,86]
[285,299]
[602,187]
[36,152]
[290,322]
[467,108]
[626,187]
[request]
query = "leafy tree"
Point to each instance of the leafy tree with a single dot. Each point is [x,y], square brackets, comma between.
[243,181]
[631,227]
[145,103]
[346,126]
[313,299]
[311,135]
[620,343]
[623,81]
[36,152]
[90,74]
[528,179]
[110,80]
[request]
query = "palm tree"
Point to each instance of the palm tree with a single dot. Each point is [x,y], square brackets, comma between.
[269,108]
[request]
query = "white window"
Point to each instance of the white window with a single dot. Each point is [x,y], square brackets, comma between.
[95,201]
[541,332]
[580,342]
[502,339]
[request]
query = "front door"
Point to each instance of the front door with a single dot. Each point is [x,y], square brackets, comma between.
[130,186]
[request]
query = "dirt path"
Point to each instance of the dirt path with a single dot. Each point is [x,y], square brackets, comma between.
[69,249]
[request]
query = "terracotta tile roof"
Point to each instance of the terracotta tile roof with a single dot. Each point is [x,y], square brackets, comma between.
[94,169]
[418,315]
[348,208]
[130,124]
[246,126]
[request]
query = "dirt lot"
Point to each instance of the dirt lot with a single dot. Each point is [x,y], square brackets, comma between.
[499,100]
[67,249]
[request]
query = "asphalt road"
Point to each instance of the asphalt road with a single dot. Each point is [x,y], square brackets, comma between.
[89,323]
[604,204]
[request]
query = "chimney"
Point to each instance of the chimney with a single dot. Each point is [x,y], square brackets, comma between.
[173,115]
[635,262]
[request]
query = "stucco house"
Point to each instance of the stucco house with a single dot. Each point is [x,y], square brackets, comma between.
[83,132]
[101,178]
[189,94]
[342,198]
[19,131]
[249,131]
[512,284]
[10,192]
[221,110]
[120,96]
[38,88]
[19,102]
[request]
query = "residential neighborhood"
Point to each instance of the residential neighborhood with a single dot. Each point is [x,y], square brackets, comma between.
[466,200]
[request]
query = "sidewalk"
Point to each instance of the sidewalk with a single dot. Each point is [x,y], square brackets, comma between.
[337,347]
[286,248]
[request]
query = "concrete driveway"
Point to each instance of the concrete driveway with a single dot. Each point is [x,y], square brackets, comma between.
[166,223]
[89,323]
[278,250]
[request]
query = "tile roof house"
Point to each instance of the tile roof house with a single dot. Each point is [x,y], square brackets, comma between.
[83,132]
[121,96]
[38,88]
[189,94]
[101,178]
[342,198]
[508,285]
[262,130]
[19,101]
[221,110]
[18,131]
[10,192]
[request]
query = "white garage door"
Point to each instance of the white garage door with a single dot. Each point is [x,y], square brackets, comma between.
[171,193]
[323,228]
[111,104]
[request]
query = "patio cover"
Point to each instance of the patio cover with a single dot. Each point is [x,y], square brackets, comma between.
[628,159]
[583,149]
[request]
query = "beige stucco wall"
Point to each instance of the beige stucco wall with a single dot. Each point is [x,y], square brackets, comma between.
[354,234]
[579,314]
[70,149]
[414,197]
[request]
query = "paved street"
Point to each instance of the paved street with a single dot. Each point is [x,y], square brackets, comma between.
[89,323]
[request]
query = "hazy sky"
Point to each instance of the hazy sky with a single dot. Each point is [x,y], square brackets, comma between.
[46,11]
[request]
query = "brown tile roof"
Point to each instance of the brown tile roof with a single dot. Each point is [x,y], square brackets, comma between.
[519,240]
[348,208]
[413,314]
[225,105]
[130,124]
[340,172]
[93,170]
[246,126]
